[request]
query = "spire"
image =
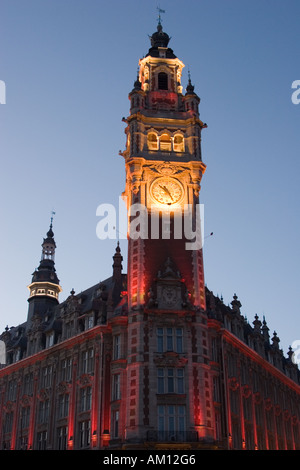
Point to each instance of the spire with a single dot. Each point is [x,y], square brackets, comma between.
[190,87]
[44,288]
[46,271]
[265,331]
[48,245]
[117,264]
[159,40]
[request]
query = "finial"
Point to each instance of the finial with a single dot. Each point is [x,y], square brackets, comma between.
[190,87]
[51,220]
[159,17]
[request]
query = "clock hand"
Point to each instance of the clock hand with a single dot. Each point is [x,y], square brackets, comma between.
[166,191]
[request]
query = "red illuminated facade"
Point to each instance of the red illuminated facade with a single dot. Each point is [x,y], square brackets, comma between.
[151,359]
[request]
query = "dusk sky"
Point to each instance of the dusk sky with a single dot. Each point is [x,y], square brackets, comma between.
[68,66]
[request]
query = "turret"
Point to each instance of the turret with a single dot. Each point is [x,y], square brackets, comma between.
[44,288]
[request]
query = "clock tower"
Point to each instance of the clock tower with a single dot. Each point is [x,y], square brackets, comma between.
[163,173]
[166,292]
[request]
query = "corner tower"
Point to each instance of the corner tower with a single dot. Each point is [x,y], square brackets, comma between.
[167,387]
[44,287]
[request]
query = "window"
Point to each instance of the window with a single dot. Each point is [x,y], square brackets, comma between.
[89,321]
[62,435]
[169,339]
[25,413]
[44,412]
[117,347]
[12,390]
[171,422]
[178,143]
[162,81]
[50,339]
[8,422]
[46,376]
[87,361]
[42,440]
[170,380]
[85,399]
[84,433]
[66,369]
[63,405]
[116,389]
[116,417]
[165,142]
[152,141]
[28,384]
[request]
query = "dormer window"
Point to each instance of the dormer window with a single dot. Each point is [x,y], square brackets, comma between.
[163,81]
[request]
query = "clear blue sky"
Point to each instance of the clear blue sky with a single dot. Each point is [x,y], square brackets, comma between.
[69,65]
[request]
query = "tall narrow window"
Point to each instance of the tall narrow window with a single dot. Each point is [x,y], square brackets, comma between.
[117,347]
[84,433]
[116,416]
[152,141]
[85,398]
[160,340]
[162,81]
[178,143]
[116,387]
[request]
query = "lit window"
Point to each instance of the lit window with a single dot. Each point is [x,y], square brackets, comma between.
[165,142]
[178,143]
[152,141]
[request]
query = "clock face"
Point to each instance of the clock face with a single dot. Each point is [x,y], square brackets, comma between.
[166,190]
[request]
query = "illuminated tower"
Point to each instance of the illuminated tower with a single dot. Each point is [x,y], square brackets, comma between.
[44,288]
[167,332]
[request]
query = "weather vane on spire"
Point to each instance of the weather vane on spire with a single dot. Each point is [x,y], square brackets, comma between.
[159,15]
[52,214]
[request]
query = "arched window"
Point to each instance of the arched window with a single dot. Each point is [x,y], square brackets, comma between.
[165,142]
[178,143]
[152,141]
[162,81]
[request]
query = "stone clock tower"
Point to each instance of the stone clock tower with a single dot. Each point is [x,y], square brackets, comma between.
[166,294]
[163,172]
